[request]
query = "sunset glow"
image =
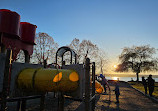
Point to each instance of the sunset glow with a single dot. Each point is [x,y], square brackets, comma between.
[115,78]
[115,66]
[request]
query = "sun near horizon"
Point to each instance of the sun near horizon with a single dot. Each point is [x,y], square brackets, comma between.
[115,66]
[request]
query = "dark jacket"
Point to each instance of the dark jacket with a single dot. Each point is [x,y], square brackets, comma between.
[117,90]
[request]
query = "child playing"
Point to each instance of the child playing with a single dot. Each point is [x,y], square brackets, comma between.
[104,82]
[117,92]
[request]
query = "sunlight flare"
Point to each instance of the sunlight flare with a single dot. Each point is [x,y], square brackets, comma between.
[115,66]
[115,78]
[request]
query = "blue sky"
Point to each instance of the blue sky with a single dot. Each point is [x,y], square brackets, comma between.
[111,24]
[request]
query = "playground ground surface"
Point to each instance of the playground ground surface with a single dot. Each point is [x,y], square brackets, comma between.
[130,100]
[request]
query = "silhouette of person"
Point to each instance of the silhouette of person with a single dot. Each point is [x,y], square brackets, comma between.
[144,82]
[151,84]
[104,83]
[117,92]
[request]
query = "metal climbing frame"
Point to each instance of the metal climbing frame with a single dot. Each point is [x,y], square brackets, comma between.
[62,50]
[88,96]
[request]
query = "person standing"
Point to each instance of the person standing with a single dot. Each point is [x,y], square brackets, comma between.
[151,84]
[117,92]
[144,82]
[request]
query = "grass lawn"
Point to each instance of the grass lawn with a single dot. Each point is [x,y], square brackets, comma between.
[140,87]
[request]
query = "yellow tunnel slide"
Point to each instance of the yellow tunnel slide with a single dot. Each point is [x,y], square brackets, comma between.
[48,80]
[98,87]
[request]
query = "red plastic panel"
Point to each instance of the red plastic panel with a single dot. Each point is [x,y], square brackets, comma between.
[27,32]
[16,45]
[9,22]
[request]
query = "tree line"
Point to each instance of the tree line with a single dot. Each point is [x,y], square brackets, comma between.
[135,59]
[46,47]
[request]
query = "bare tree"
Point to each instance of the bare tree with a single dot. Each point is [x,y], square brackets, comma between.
[20,57]
[101,61]
[88,49]
[45,48]
[75,45]
[138,59]
[84,49]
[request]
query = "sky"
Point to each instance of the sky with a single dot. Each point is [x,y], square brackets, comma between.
[110,24]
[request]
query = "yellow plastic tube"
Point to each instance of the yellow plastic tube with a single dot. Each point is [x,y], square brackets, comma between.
[98,87]
[48,80]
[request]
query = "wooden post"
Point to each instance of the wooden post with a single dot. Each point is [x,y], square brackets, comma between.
[63,63]
[93,86]
[42,102]
[27,57]
[45,63]
[62,58]
[75,58]
[71,58]
[23,105]
[3,48]
[18,105]
[6,78]
[0,42]
[87,84]
[61,95]
[56,58]
[61,102]
[43,95]
[1,35]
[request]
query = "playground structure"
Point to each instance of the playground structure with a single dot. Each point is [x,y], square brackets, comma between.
[16,35]
[22,81]
[48,80]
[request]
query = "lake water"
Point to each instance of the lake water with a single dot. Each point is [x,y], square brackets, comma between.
[127,78]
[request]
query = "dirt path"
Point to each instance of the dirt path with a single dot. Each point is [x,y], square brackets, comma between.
[130,100]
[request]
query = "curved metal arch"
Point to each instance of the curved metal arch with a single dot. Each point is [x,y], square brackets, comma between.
[61,51]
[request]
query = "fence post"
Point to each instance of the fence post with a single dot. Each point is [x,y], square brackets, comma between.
[6,78]
[87,84]
[93,86]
